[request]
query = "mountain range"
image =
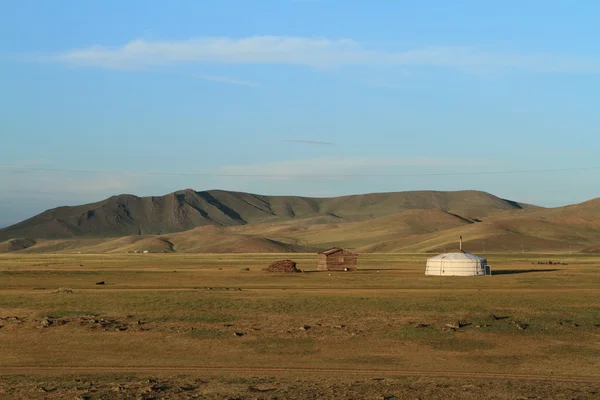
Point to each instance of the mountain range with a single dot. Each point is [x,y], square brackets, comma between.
[223,221]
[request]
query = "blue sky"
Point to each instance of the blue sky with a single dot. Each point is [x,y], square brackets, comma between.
[403,95]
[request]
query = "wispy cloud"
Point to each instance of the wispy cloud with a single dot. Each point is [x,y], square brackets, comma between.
[224,79]
[314,52]
[38,183]
[27,192]
[306,141]
[341,166]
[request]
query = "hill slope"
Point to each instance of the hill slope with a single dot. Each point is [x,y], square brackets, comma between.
[556,230]
[126,215]
[564,229]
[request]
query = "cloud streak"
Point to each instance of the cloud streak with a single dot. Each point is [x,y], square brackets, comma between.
[314,53]
[224,79]
[343,166]
[305,141]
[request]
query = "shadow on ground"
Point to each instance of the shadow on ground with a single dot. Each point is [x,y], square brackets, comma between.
[521,271]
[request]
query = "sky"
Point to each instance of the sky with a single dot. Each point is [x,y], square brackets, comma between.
[297,97]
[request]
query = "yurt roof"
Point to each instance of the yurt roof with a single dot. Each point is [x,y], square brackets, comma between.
[458,256]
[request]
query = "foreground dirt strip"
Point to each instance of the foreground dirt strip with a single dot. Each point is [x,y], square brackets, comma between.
[329,371]
[345,290]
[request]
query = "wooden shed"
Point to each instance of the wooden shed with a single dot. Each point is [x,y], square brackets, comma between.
[337,259]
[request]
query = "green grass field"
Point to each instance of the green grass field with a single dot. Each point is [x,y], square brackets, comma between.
[251,334]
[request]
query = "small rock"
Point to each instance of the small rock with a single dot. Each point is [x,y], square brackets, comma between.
[239,334]
[421,326]
[100,283]
[305,327]
[244,269]
[259,390]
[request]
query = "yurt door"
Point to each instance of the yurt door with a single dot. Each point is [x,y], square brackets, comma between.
[442,266]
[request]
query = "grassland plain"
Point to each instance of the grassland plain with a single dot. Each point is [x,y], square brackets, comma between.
[185,325]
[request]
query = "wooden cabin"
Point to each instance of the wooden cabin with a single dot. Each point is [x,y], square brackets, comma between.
[337,259]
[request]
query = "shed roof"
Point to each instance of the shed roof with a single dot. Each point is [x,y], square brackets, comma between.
[333,250]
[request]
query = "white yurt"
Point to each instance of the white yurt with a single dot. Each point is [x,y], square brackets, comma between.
[458,263]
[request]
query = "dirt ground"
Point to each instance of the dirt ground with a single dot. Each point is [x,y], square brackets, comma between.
[303,386]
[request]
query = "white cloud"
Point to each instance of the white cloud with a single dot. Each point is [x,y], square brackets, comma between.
[340,166]
[251,50]
[312,52]
[224,79]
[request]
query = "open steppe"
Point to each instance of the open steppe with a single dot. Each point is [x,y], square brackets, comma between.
[202,326]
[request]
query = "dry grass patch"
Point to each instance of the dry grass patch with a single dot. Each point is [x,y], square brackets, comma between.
[283,346]
[363,321]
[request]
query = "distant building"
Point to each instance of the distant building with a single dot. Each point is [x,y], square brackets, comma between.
[337,259]
[459,263]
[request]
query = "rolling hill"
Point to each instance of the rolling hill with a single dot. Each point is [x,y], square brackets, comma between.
[233,222]
[187,209]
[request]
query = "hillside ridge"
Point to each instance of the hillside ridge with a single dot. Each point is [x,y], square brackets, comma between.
[182,210]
